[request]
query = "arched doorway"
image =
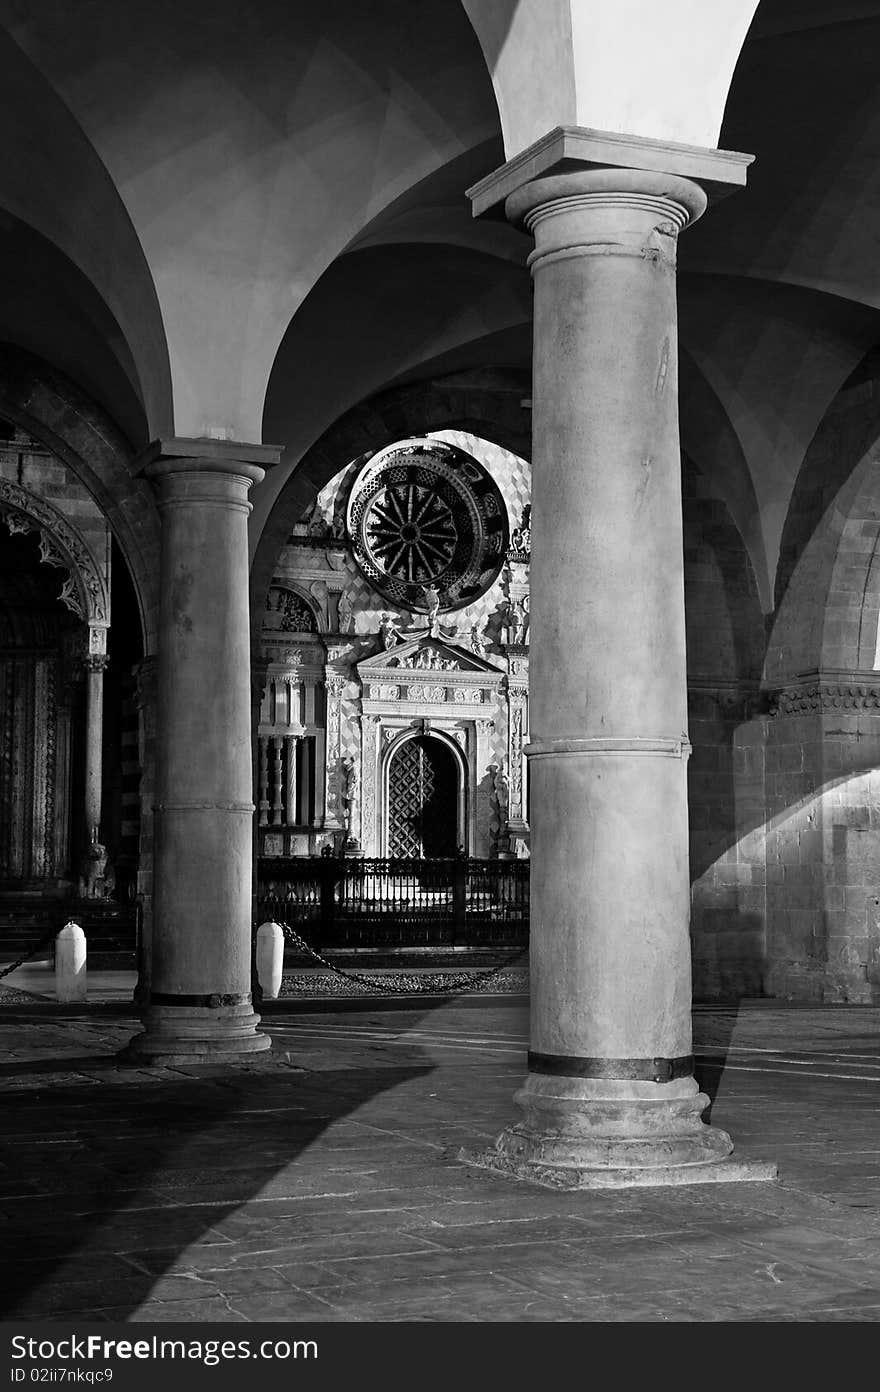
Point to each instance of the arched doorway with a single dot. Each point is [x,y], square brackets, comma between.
[424,784]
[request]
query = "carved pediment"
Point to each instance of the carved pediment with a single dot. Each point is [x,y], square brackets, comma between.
[425,654]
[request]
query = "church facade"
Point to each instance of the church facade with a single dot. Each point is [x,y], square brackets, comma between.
[395,640]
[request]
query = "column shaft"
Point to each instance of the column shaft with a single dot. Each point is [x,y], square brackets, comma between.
[290,814]
[94,745]
[201,981]
[610,1085]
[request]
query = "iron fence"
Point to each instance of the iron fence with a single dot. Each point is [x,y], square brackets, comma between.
[353,902]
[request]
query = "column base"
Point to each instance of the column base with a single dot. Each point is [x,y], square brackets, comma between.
[582,1135]
[196,1034]
[725,1171]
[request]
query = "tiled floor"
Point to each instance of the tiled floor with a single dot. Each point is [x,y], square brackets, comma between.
[322,1181]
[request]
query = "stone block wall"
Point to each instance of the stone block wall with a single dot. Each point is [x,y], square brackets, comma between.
[823,847]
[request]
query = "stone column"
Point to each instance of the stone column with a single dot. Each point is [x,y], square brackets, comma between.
[200,1001]
[334,685]
[517,701]
[291,790]
[610,1096]
[95,666]
[145,674]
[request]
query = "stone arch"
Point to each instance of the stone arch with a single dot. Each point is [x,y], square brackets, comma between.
[828,579]
[450,748]
[85,591]
[493,404]
[50,407]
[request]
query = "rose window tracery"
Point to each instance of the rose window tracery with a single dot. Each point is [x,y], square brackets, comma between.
[423,513]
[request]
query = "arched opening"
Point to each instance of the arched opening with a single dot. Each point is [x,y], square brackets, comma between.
[423,800]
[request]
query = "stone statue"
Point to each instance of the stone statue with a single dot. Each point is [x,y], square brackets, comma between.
[478,638]
[345,610]
[501,789]
[351,792]
[96,881]
[520,624]
[388,630]
[521,536]
[318,526]
[432,604]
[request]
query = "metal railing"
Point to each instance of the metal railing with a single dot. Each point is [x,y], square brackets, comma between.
[353,902]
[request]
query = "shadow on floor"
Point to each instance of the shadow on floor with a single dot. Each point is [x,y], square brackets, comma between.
[106,1177]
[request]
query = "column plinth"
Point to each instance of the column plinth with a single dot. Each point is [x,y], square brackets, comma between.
[610,1097]
[200,996]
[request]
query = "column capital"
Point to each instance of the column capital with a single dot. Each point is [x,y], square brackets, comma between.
[568,150]
[185,455]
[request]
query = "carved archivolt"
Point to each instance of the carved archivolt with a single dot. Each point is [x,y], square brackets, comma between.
[85,590]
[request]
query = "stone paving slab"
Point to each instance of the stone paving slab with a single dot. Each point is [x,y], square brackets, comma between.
[321,1180]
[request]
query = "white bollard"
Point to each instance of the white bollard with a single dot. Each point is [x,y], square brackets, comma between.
[70,964]
[270,959]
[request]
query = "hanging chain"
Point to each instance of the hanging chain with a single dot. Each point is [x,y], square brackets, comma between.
[4,971]
[386,986]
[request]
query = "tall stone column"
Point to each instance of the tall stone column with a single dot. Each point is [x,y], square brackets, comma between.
[95,666]
[610,1096]
[145,674]
[200,998]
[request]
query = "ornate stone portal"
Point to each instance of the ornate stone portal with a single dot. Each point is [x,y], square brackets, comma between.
[396,634]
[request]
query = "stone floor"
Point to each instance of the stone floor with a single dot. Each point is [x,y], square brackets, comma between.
[321,1181]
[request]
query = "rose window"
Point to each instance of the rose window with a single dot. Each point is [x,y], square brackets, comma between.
[425,513]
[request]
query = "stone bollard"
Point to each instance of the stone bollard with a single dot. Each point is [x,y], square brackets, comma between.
[270,959]
[70,964]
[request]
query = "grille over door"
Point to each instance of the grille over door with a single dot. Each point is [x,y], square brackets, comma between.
[423,800]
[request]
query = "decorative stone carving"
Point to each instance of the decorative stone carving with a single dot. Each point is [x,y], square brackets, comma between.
[345,611]
[351,793]
[518,620]
[501,792]
[70,595]
[288,612]
[334,685]
[369,724]
[49,554]
[428,660]
[516,722]
[388,630]
[423,692]
[477,639]
[521,537]
[96,880]
[85,591]
[468,696]
[431,601]
[384,693]
[821,695]
[427,525]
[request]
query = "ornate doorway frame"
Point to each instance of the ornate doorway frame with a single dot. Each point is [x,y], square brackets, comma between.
[387,757]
